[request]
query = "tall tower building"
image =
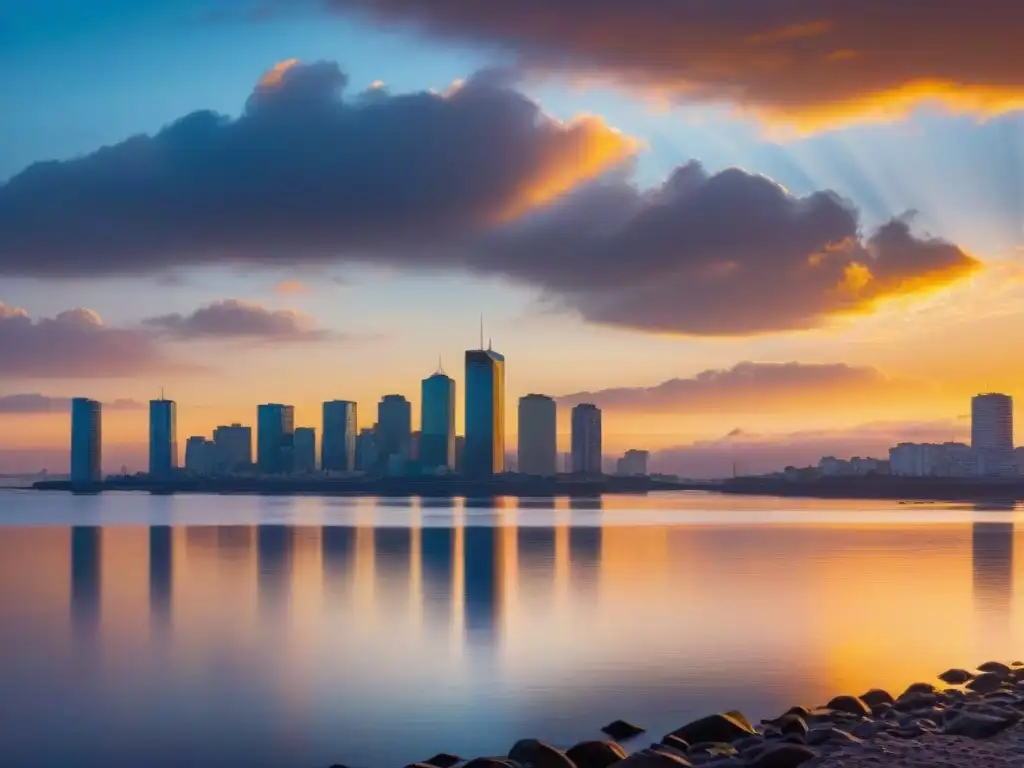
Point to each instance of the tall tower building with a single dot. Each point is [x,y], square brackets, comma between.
[233,448]
[275,438]
[163,437]
[86,442]
[394,430]
[992,422]
[586,439]
[485,413]
[437,422]
[538,435]
[338,438]
[305,450]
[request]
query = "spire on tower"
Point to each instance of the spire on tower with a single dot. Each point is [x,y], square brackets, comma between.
[440,365]
[481,330]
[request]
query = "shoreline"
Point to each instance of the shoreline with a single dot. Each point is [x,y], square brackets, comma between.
[975,722]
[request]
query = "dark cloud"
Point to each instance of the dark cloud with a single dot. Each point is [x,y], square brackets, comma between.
[74,344]
[33,403]
[753,454]
[232,318]
[726,254]
[753,387]
[478,180]
[303,175]
[810,62]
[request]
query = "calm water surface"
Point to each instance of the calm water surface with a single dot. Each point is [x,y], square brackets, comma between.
[220,631]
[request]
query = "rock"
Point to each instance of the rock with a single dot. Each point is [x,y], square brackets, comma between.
[956,676]
[986,682]
[620,730]
[713,749]
[792,724]
[866,729]
[740,718]
[783,756]
[911,701]
[748,743]
[419,765]
[1017,664]
[909,731]
[919,688]
[443,760]
[995,666]
[797,710]
[876,696]
[722,727]
[818,736]
[653,758]
[490,762]
[879,710]
[595,754]
[670,739]
[532,753]
[849,704]
[976,725]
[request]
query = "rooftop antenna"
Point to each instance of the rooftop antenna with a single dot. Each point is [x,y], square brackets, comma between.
[489,348]
[161,393]
[440,366]
[481,330]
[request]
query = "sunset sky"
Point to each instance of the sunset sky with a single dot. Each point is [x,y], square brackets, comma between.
[762,230]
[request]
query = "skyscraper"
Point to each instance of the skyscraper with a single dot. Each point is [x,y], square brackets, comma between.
[992,422]
[275,438]
[233,447]
[366,450]
[394,430]
[437,422]
[86,442]
[163,437]
[305,450]
[200,456]
[586,439]
[338,438]
[538,416]
[485,413]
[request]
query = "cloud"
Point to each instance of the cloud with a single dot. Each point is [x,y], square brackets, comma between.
[233,318]
[74,344]
[758,454]
[302,175]
[727,254]
[808,64]
[478,180]
[290,287]
[34,403]
[750,387]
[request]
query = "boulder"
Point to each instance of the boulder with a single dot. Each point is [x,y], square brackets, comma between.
[876,696]
[532,753]
[595,754]
[792,724]
[798,710]
[986,682]
[654,758]
[1017,664]
[956,676]
[713,749]
[620,730]
[976,725]
[443,760]
[490,762]
[995,666]
[675,742]
[819,736]
[783,756]
[851,705]
[740,718]
[912,701]
[879,710]
[722,727]
[748,743]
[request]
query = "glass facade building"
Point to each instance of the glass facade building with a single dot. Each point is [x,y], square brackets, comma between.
[538,435]
[338,436]
[437,422]
[233,447]
[586,439]
[484,452]
[275,438]
[163,437]
[305,450]
[86,442]
[394,431]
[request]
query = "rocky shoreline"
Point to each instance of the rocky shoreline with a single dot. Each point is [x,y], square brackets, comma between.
[975,722]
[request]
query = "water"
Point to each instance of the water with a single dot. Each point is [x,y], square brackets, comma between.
[220,631]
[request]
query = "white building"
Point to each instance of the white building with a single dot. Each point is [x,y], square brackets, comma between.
[538,450]
[933,460]
[586,439]
[992,434]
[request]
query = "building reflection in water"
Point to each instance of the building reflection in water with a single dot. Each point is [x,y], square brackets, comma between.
[992,562]
[274,547]
[86,573]
[437,574]
[585,541]
[392,556]
[338,550]
[161,574]
[481,565]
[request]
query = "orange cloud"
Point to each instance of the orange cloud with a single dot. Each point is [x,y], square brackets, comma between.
[274,76]
[290,287]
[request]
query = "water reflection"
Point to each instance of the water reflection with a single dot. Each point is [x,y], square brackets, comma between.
[274,566]
[161,574]
[86,574]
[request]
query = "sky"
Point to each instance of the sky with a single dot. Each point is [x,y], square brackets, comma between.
[751,232]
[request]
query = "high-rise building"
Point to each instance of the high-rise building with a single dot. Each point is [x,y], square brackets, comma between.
[275,438]
[338,438]
[200,456]
[460,453]
[992,422]
[86,442]
[304,456]
[484,453]
[437,422]
[586,439]
[394,430]
[366,450]
[633,463]
[233,448]
[538,435]
[163,437]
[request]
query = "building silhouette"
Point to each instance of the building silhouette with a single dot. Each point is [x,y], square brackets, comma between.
[200,456]
[394,432]
[163,437]
[633,463]
[992,434]
[366,449]
[304,457]
[586,439]
[484,452]
[538,435]
[86,442]
[275,438]
[338,436]
[437,422]
[233,447]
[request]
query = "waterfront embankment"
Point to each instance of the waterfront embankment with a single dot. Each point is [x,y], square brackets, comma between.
[973,719]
